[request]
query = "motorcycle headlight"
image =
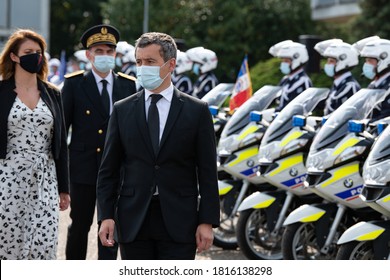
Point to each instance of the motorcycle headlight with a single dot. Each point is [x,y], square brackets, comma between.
[379,174]
[251,138]
[294,145]
[226,145]
[349,153]
[266,153]
[315,161]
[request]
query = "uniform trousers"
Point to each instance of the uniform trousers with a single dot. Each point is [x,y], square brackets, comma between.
[153,241]
[82,209]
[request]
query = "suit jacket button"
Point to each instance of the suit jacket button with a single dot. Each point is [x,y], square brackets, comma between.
[98,150]
[88,112]
[156,167]
[100,131]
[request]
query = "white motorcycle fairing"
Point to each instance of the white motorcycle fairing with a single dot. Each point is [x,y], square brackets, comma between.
[362,231]
[256,200]
[304,214]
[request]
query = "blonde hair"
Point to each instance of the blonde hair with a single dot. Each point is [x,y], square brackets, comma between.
[7,66]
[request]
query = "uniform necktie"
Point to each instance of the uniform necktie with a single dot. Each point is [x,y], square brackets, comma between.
[154,122]
[105,97]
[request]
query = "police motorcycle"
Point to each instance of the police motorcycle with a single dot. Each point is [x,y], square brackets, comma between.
[237,158]
[371,239]
[334,166]
[281,158]
[216,98]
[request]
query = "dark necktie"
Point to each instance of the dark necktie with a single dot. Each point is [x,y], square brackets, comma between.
[105,97]
[154,122]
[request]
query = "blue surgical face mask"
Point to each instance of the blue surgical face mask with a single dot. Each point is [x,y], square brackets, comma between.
[196,69]
[329,69]
[285,68]
[118,61]
[104,63]
[369,71]
[149,76]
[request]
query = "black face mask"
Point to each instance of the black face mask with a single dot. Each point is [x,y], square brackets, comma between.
[31,62]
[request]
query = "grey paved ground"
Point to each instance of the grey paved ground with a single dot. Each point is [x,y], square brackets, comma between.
[214,253]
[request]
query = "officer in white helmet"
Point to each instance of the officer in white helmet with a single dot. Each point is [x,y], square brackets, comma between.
[54,74]
[293,58]
[341,58]
[179,78]
[126,59]
[204,62]
[376,52]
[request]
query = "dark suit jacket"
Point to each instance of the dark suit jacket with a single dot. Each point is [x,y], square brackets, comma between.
[184,168]
[51,96]
[85,113]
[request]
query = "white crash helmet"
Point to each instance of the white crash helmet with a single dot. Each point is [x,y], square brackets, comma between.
[129,56]
[206,58]
[54,62]
[380,50]
[183,63]
[320,47]
[297,52]
[81,56]
[275,48]
[346,55]
[359,45]
[122,47]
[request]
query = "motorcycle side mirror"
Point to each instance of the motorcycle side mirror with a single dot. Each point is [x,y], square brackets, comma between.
[299,121]
[213,110]
[255,116]
[380,127]
[356,126]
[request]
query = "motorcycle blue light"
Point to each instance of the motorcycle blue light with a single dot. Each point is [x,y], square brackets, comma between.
[324,119]
[214,110]
[381,127]
[255,116]
[299,121]
[355,126]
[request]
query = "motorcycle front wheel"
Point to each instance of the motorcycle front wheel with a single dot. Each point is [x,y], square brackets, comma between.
[225,234]
[299,242]
[356,250]
[254,239]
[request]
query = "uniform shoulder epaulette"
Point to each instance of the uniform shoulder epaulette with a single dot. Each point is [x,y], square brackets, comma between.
[74,74]
[123,75]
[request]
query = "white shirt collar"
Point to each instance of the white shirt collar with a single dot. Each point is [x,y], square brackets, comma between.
[166,93]
[338,80]
[109,77]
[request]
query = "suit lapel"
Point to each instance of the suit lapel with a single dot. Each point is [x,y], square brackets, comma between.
[92,92]
[141,120]
[116,89]
[176,105]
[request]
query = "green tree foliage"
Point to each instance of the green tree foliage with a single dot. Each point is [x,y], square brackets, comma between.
[69,19]
[374,19]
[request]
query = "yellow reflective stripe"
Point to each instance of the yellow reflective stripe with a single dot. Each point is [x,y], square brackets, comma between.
[349,143]
[340,173]
[292,136]
[247,131]
[225,190]
[370,236]
[244,155]
[313,218]
[264,204]
[287,163]
[386,198]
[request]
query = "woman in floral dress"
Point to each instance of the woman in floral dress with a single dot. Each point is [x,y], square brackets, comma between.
[33,154]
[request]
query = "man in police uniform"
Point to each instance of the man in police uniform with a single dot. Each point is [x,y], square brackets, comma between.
[88,99]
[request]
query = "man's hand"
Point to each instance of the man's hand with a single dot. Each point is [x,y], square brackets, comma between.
[204,237]
[106,232]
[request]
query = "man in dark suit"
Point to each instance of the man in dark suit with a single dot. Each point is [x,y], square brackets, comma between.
[168,194]
[88,99]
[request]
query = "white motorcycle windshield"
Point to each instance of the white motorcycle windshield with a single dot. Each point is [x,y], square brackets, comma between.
[260,101]
[381,149]
[218,95]
[303,104]
[357,107]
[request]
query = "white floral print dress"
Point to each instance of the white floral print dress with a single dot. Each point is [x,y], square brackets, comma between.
[29,210]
